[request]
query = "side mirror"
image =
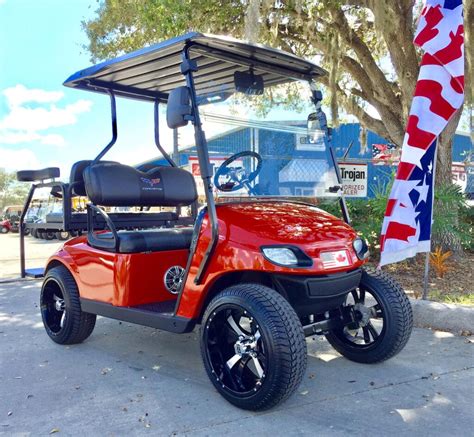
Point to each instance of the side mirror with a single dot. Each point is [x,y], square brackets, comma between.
[316,122]
[178,110]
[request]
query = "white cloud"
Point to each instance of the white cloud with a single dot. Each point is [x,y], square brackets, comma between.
[38,119]
[22,159]
[19,94]
[25,124]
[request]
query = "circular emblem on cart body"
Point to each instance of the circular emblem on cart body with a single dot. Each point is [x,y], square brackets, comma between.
[173,278]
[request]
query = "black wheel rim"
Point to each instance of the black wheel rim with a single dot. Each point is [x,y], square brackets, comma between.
[236,350]
[53,307]
[370,322]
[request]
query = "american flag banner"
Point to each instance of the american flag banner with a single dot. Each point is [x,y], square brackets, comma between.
[439,92]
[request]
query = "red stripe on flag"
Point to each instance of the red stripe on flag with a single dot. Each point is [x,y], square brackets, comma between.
[404,170]
[390,204]
[457,84]
[399,231]
[432,16]
[453,50]
[418,137]
[432,90]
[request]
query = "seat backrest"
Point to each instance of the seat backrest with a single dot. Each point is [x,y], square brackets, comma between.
[113,184]
[76,179]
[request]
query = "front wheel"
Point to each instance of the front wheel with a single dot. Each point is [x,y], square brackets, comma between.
[383,320]
[253,346]
[4,230]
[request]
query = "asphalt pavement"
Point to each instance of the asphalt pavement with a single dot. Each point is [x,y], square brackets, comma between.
[131,380]
[37,252]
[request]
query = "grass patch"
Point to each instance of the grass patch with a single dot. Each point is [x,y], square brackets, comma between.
[459,298]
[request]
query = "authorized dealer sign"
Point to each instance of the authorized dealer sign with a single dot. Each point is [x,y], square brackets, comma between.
[354,179]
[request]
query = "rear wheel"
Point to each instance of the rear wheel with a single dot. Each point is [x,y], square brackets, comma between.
[383,320]
[253,346]
[4,230]
[49,235]
[63,319]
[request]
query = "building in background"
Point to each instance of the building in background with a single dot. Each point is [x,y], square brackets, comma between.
[366,168]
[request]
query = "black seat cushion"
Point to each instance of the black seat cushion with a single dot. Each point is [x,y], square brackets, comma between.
[76,179]
[152,240]
[112,184]
[37,175]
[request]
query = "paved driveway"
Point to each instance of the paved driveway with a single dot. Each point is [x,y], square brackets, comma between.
[37,252]
[130,380]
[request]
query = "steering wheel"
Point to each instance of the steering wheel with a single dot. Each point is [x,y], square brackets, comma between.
[237,177]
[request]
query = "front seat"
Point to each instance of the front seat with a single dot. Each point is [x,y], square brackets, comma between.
[114,184]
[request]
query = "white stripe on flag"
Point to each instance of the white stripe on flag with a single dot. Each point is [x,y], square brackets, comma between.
[438,73]
[428,121]
[387,257]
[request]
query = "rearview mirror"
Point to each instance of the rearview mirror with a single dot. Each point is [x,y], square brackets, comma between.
[248,82]
[179,110]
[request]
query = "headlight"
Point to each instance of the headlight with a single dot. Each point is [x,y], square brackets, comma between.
[361,248]
[287,256]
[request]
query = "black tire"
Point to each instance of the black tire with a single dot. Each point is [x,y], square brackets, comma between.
[4,230]
[269,324]
[391,311]
[71,325]
[49,235]
[41,234]
[34,233]
[62,235]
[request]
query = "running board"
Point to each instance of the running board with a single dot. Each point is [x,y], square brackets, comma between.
[35,273]
[165,321]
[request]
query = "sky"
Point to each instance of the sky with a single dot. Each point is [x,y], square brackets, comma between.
[43,123]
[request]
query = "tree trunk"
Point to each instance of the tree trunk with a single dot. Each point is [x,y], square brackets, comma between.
[445,149]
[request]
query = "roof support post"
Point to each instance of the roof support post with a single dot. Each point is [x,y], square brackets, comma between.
[157,134]
[113,111]
[187,68]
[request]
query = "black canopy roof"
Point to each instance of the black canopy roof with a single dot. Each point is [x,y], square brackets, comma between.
[150,73]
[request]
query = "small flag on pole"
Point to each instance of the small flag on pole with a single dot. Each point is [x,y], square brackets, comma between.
[439,93]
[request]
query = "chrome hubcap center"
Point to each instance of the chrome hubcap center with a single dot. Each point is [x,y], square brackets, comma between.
[59,304]
[245,346]
[364,314]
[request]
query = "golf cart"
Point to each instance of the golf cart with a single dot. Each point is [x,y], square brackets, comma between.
[10,219]
[257,265]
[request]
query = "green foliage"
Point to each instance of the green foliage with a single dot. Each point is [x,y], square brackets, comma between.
[11,191]
[453,225]
[122,26]
[452,297]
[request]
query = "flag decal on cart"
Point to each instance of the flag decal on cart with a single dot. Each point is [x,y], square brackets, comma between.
[334,259]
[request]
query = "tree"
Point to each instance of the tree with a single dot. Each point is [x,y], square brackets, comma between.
[365,44]
[11,192]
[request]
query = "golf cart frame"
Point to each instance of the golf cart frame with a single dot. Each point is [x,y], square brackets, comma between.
[229,272]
